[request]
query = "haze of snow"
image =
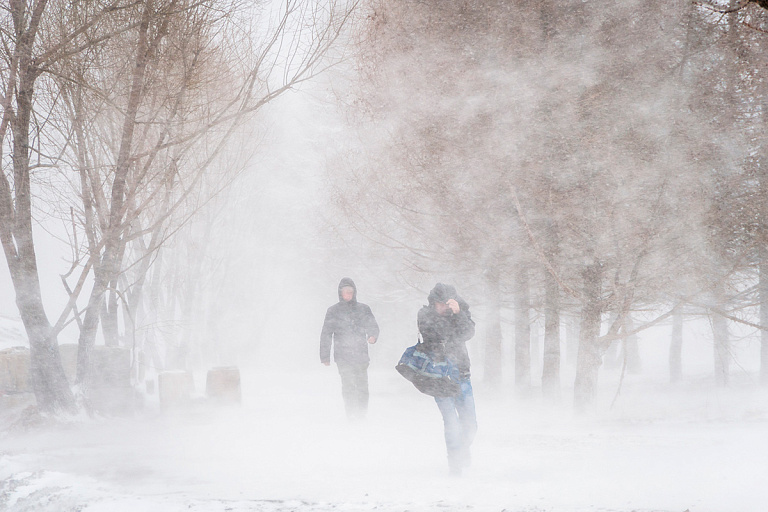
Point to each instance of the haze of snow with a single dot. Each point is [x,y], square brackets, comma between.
[289,446]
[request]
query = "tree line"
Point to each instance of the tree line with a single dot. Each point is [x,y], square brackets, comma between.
[596,160]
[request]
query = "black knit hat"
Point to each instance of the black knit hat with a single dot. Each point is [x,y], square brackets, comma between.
[441,293]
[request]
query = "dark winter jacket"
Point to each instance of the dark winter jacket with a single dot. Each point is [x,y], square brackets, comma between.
[347,326]
[445,336]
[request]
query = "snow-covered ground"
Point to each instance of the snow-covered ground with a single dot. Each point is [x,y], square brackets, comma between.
[288,447]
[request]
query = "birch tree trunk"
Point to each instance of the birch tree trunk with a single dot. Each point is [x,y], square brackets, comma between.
[571,341]
[590,354]
[493,340]
[631,348]
[763,286]
[676,347]
[722,347]
[522,331]
[550,375]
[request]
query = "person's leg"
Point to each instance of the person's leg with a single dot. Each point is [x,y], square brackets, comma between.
[362,389]
[354,388]
[347,386]
[465,407]
[359,391]
[453,434]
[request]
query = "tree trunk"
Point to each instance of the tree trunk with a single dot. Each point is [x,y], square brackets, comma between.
[676,347]
[109,316]
[631,352]
[133,310]
[535,345]
[174,358]
[152,308]
[87,338]
[46,372]
[722,343]
[763,285]
[612,358]
[522,331]
[49,383]
[493,340]
[589,356]
[108,321]
[550,375]
[571,341]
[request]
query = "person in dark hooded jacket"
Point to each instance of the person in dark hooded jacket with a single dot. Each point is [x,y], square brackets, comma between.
[349,327]
[445,325]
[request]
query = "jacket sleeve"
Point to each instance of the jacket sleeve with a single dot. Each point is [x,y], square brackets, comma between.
[464,325]
[371,327]
[326,337]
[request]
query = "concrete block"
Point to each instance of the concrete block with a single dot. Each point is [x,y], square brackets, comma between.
[222,384]
[16,401]
[14,370]
[110,366]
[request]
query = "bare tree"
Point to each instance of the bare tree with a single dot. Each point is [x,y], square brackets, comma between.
[147,95]
[29,48]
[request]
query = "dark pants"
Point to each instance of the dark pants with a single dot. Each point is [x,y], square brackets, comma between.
[354,388]
[460,425]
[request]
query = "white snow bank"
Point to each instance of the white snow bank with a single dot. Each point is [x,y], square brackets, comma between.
[289,447]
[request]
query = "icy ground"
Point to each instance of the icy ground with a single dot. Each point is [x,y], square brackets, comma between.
[289,448]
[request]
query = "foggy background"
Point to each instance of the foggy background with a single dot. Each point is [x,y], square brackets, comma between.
[528,155]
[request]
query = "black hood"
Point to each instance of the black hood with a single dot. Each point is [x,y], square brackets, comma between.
[347,282]
[441,293]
